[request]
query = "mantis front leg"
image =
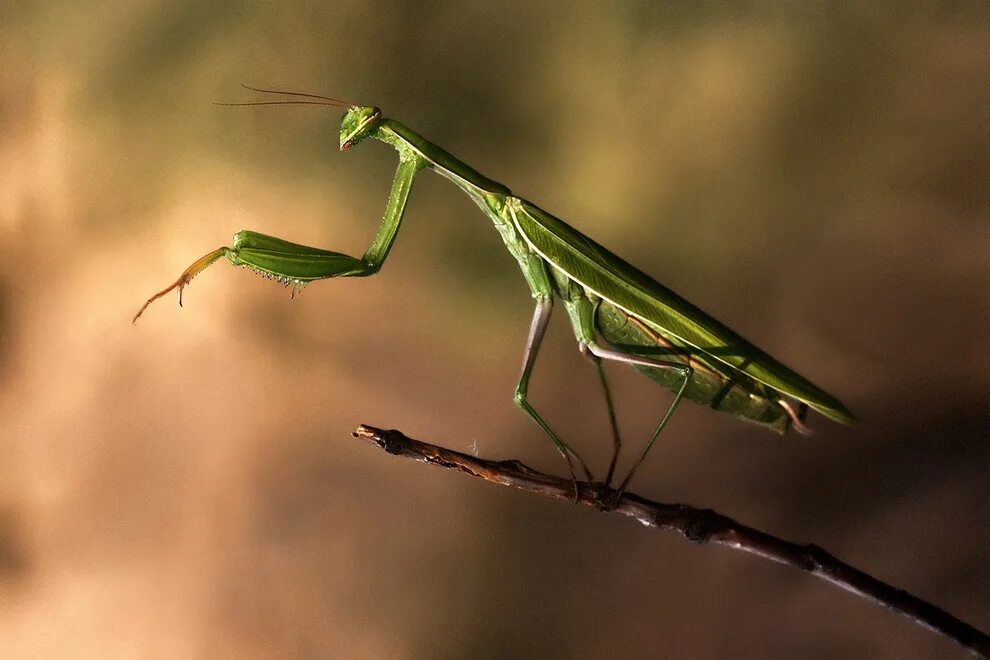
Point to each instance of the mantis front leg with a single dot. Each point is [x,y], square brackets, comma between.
[297,265]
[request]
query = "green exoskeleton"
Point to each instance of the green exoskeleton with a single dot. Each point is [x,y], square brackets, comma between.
[617,312]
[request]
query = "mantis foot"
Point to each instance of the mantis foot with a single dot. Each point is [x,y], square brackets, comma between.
[184,279]
[607,498]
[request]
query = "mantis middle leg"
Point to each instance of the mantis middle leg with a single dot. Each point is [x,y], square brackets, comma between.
[537,330]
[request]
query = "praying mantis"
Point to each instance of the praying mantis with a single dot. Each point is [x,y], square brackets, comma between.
[617,312]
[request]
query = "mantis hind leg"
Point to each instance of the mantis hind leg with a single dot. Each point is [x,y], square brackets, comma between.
[582,308]
[537,330]
[610,406]
[684,370]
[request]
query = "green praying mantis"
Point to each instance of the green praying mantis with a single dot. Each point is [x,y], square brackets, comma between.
[617,312]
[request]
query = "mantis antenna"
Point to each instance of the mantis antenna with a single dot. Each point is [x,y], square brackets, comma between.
[320,100]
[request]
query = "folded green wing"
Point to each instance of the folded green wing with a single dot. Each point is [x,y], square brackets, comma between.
[617,281]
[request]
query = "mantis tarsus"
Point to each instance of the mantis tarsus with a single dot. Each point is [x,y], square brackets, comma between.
[617,312]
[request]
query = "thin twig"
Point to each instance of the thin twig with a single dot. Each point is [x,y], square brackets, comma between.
[698,525]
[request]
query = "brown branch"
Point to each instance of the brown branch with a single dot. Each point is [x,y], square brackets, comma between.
[698,525]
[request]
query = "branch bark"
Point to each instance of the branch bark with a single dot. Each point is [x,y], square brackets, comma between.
[698,525]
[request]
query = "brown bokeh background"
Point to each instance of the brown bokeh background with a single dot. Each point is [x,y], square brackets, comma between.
[816,177]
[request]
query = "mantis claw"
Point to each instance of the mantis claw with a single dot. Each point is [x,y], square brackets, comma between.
[180,283]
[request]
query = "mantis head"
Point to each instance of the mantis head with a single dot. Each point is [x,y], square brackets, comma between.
[357,124]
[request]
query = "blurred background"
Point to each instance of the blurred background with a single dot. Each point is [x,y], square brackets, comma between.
[815,175]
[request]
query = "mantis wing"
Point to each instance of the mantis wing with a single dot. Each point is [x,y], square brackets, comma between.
[613,279]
